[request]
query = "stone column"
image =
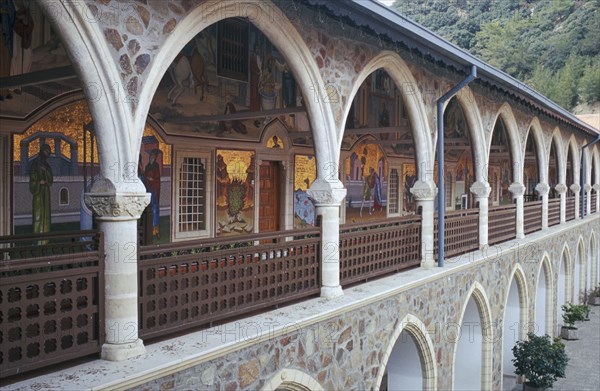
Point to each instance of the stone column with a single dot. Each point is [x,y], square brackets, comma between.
[6,184]
[596,188]
[327,197]
[575,188]
[588,195]
[517,190]
[543,189]
[481,190]
[424,193]
[561,188]
[117,216]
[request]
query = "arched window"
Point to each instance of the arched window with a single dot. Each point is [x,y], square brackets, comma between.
[63,197]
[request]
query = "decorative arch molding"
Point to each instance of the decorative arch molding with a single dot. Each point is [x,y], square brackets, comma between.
[418,330]
[519,276]
[280,31]
[576,162]
[566,255]
[581,257]
[593,258]
[517,150]
[400,73]
[546,267]
[560,154]
[481,300]
[90,56]
[293,380]
[467,101]
[275,128]
[535,129]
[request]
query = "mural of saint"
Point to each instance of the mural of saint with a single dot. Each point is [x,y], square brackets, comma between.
[40,180]
[152,182]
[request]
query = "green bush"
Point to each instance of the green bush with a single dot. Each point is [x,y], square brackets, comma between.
[540,360]
[573,313]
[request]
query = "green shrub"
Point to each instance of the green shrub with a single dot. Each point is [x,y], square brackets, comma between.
[540,360]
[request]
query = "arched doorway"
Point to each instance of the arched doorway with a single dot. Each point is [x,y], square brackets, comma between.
[562,285]
[514,324]
[543,299]
[579,273]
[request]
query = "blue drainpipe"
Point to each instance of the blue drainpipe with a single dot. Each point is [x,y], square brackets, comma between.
[582,206]
[440,159]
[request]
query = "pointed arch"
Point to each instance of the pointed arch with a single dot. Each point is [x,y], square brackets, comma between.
[293,380]
[571,147]
[592,258]
[94,65]
[535,129]
[596,166]
[467,102]
[558,143]
[417,329]
[517,151]
[397,69]
[579,270]
[280,31]
[477,293]
[568,261]
[546,268]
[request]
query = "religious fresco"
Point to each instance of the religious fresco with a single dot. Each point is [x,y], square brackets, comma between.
[235,175]
[409,177]
[229,82]
[366,183]
[57,151]
[305,173]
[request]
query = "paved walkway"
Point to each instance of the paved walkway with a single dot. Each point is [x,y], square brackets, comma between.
[583,369]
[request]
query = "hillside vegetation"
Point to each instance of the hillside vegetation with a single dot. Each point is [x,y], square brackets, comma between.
[552,45]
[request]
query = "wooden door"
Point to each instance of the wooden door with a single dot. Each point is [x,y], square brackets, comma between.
[268,206]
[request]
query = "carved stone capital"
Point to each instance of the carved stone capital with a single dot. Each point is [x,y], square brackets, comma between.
[481,189]
[121,206]
[325,193]
[596,187]
[517,189]
[575,188]
[587,187]
[542,189]
[424,191]
[561,188]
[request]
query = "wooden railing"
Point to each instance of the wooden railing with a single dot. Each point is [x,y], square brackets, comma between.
[593,198]
[532,216]
[553,212]
[570,209]
[502,223]
[461,234]
[192,284]
[52,293]
[370,250]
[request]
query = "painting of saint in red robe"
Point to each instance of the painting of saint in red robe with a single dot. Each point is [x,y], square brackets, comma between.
[152,182]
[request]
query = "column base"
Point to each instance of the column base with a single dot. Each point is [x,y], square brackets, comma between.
[427,263]
[123,351]
[520,236]
[331,292]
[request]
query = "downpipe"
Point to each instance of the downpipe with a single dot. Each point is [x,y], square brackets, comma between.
[440,158]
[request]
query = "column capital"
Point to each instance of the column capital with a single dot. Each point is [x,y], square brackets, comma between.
[561,188]
[575,188]
[587,187]
[517,189]
[542,189]
[481,189]
[110,204]
[424,190]
[325,193]
[596,187]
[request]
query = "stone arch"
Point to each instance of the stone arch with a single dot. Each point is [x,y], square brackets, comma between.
[280,31]
[592,269]
[90,56]
[563,283]
[293,380]
[397,69]
[417,329]
[481,302]
[579,270]
[535,129]
[467,101]
[596,165]
[517,153]
[510,333]
[546,313]
[560,156]
[273,128]
[571,147]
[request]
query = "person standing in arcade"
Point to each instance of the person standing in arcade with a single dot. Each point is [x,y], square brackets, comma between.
[40,180]
[152,182]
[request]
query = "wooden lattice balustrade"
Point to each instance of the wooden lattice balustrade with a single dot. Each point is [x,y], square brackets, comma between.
[195,283]
[532,216]
[51,299]
[570,209]
[593,198]
[461,233]
[502,223]
[369,250]
[553,212]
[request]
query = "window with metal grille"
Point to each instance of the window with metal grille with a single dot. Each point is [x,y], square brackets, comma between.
[232,55]
[393,204]
[191,196]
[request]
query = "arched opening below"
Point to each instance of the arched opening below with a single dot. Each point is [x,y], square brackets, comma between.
[540,304]
[404,369]
[469,355]
[510,333]
[577,278]
[561,297]
[588,274]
